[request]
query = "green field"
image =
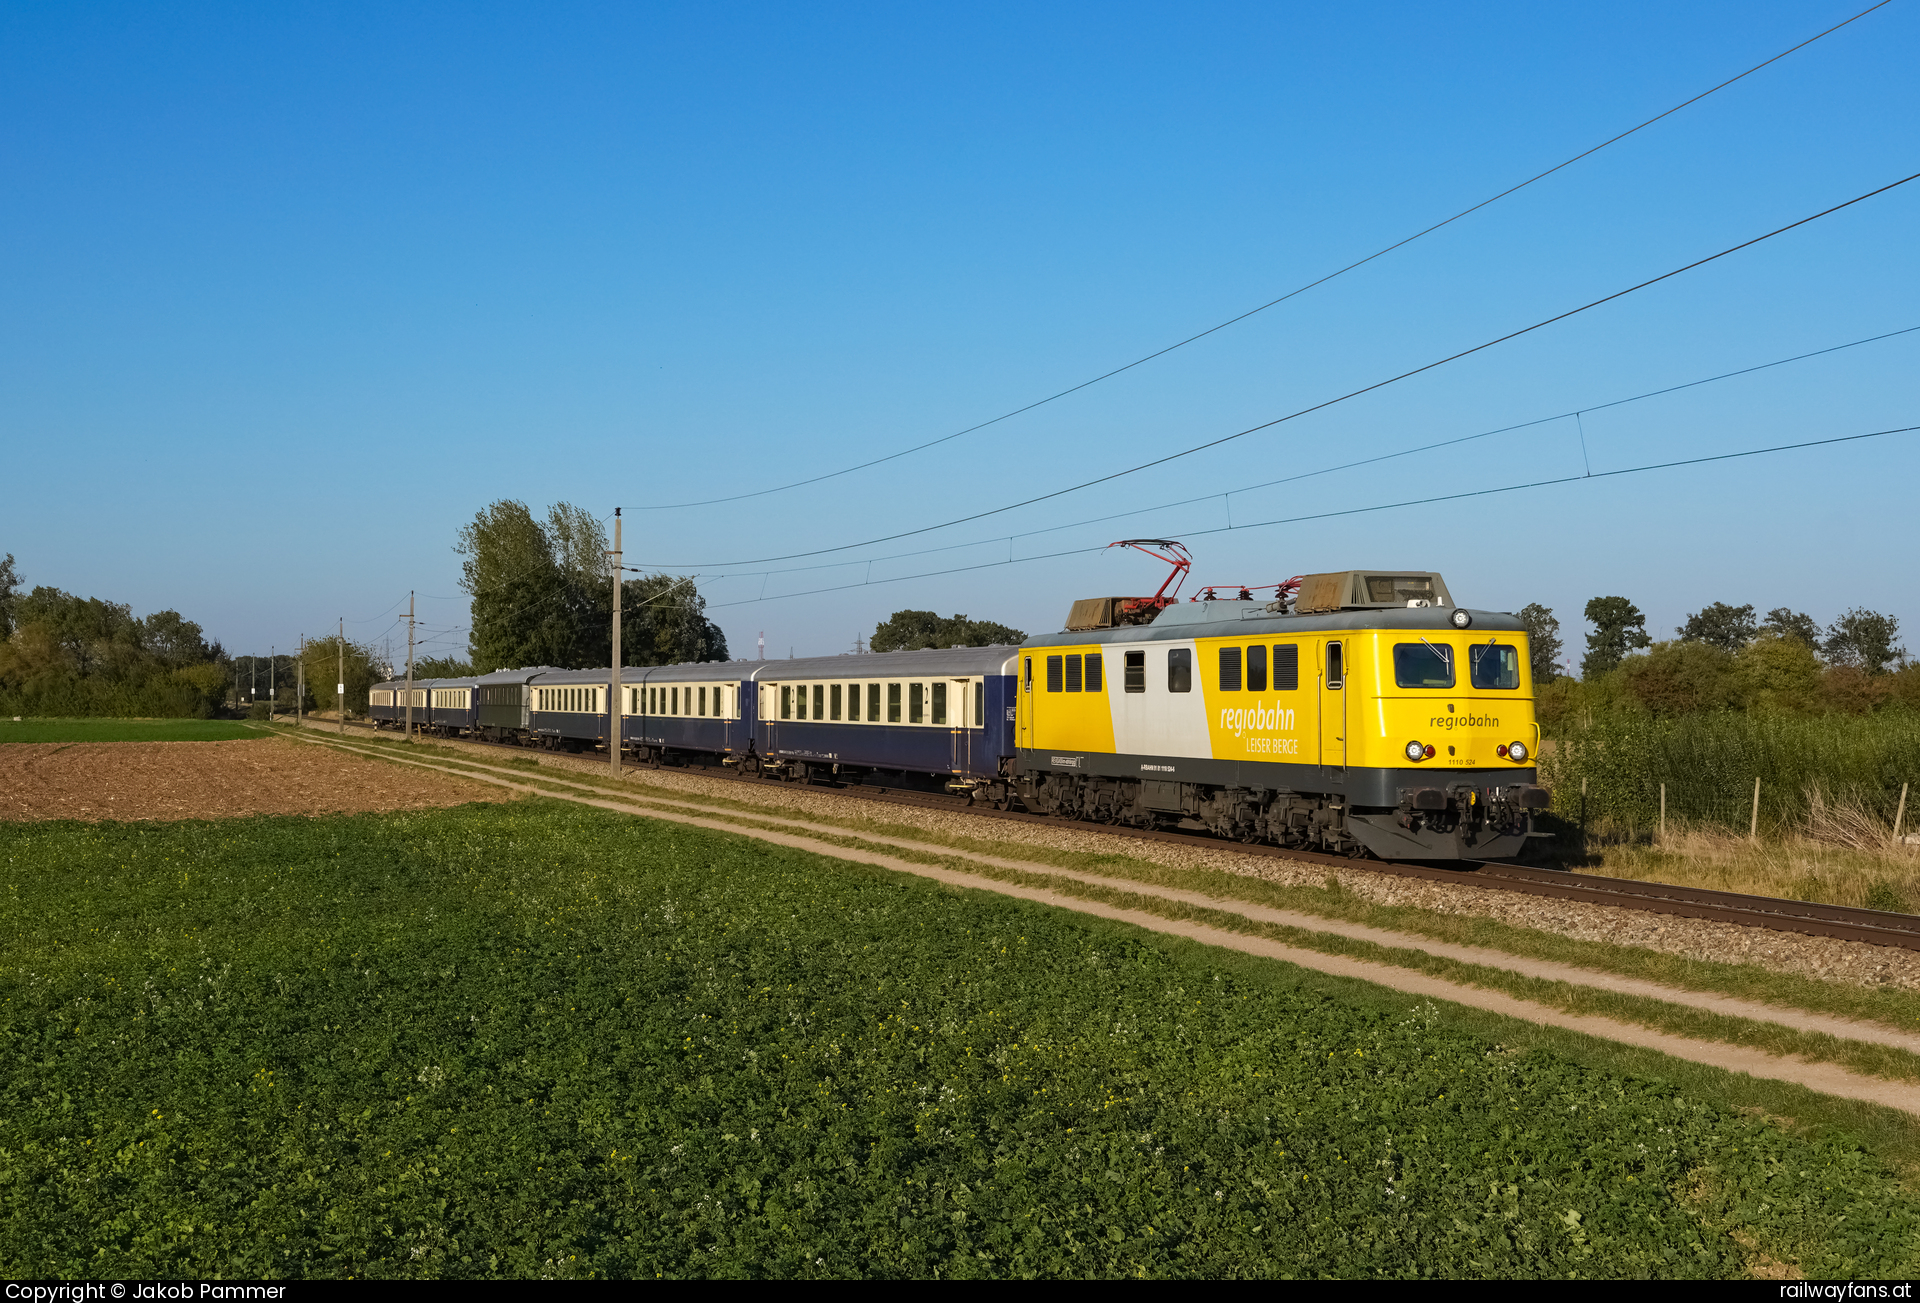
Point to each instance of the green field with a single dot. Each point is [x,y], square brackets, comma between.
[538,1040]
[125,730]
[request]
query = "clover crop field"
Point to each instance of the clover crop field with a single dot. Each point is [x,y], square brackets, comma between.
[539,1040]
[126,730]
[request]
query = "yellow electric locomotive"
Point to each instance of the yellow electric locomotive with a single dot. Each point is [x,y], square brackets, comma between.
[1368,715]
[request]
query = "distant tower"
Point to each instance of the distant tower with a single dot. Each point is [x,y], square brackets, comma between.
[859,645]
[763,645]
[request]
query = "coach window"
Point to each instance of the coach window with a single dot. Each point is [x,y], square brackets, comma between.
[833,702]
[1180,669]
[1094,668]
[1073,674]
[873,703]
[893,703]
[1136,673]
[1336,667]
[979,703]
[1256,669]
[1229,669]
[916,702]
[819,701]
[939,703]
[786,701]
[1056,673]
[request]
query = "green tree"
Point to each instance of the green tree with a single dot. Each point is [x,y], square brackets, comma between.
[1727,627]
[1777,673]
[322,659]
[1682,678]
[1783,622]
[1543,643]
[436,667]
[9,596]
[1618,628]
[542,594]
[911,630]
[1864,640]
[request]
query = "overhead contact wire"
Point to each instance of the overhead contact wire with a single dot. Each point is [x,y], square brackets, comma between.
[1233,321]
[1317,407]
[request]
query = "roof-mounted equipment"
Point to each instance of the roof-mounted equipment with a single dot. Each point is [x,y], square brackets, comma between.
[1369,590]
[1112,612]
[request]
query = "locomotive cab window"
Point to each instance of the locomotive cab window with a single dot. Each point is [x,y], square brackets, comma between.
[1336,666]
[1423,665]
[1180,669]
[1136,672]
[1493,665]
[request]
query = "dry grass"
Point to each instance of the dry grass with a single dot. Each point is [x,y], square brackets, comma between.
[1838,853]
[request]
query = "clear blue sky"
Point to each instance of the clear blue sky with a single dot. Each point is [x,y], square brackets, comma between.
[291,292]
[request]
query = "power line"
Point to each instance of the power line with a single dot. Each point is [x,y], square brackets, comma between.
[1317,407]
[1351,465]
[1355,511]
[1231,321]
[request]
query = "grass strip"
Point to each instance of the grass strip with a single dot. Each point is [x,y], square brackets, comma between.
[125,730]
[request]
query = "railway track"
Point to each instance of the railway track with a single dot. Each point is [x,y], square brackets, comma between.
[1875,927]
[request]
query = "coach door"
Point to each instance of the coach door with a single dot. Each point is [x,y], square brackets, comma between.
[960,708]
[1333,706]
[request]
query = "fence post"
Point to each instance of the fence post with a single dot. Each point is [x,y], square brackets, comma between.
[1663,814]
[1900,813]
[1753,828]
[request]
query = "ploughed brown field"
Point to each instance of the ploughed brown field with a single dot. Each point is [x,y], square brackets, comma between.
[213,780]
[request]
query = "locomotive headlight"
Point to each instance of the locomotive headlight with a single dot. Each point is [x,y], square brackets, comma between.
[1416,752]
[1516,750]
[1462,618]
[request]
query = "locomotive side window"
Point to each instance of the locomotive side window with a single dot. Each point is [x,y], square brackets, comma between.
[1029,674]
[1073,674]
[1256,669]
[1136,672]
[1494,666]
[939,703]
[1336,666]
[1423,665]
[1095,666]
[1180,669]
[893,703]
[1286,667]
[1056,673]
[1229,669]
[916,702]
[873,703]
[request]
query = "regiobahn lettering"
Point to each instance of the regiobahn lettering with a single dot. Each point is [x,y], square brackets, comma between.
[1464,721]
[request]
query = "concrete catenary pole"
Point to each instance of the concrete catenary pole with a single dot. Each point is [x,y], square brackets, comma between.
[410,668]
[616,714]
[340,688]
[300,682]
[273,663]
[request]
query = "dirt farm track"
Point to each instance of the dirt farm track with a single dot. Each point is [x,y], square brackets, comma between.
[211,780]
